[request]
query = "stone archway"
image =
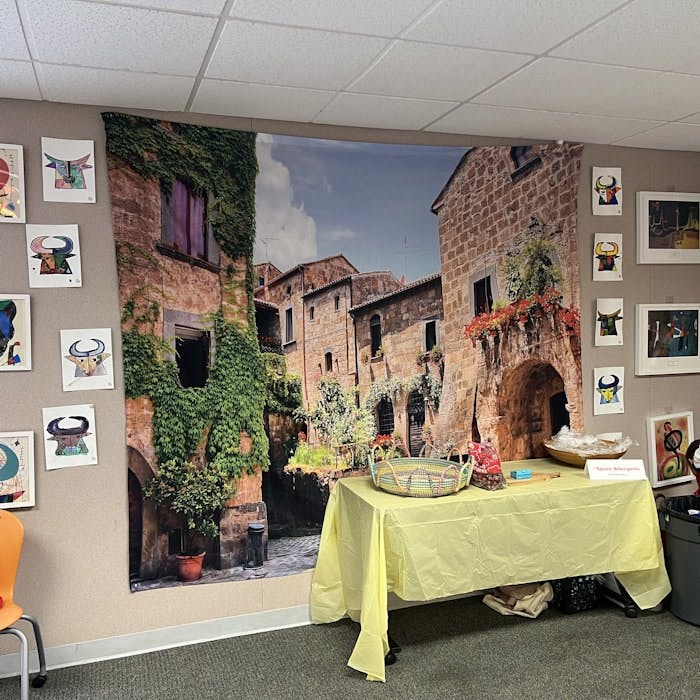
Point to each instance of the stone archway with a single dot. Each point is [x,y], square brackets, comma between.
[146,550]
[531,404]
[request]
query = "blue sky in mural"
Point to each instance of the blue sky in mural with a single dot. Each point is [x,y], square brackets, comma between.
[369,201]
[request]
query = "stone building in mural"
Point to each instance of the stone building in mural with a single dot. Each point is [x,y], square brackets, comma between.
[520,380]
[359,328]
[398,344]
[174,276]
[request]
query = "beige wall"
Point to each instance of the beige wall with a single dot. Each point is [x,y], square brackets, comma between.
[642,170]
[74,571]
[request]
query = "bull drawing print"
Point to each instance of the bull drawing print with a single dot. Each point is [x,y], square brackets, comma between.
[54,260]
[88,362]
[69,174]
[69,438]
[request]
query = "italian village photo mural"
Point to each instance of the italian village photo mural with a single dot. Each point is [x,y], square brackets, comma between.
[290,303]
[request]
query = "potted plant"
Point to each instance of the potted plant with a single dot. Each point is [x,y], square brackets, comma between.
[197,493]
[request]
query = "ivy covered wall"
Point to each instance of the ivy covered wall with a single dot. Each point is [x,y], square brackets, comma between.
[145,158]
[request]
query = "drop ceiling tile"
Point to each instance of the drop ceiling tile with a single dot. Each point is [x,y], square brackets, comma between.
[675,137]
[12,44]
[560,85]
[428,71]
[107,36]
[201,7]
[481,120]
[259,101]
[376,17]
[645,34]
[691,119]
[382,112]
[114,88]
[18,81]
[587,128]
[263,53]
[510,25]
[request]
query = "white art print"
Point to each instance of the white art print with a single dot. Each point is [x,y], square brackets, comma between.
[68,170]
[606,191]
[86,359]
[608,388]
[12,207]
[70,438]
[17,469]
[608,324]
[15,333]
[53,255]
[607,257]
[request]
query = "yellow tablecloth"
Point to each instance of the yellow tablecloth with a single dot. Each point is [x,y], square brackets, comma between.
[425,548]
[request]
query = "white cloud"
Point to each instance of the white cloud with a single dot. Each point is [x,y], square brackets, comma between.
[285,233]
[341,234]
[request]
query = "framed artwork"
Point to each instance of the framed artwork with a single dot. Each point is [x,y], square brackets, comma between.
[606,191]
[68,171]
[607,257]
[17,469]
[12,207]
[86,359]
[53,255]
[667,339]
[15,333]
[608,390]
[70,438]
[669,437]
[668,227]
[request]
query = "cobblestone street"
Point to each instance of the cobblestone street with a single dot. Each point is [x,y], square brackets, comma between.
[286,556]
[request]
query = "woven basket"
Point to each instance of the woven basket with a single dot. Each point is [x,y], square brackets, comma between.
[423,477]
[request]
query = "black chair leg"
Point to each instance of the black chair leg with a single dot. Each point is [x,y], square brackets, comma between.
[38,680]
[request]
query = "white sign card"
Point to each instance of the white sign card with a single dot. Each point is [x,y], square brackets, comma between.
[616,469]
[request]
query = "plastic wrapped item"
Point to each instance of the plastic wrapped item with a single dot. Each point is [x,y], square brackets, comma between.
[575,448]
[487,472]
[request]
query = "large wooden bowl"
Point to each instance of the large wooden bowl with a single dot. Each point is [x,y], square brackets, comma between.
[578,460]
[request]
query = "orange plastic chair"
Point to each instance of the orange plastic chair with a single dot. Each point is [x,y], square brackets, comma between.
[11,539]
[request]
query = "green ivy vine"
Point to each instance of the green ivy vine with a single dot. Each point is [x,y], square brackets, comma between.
[425,383]
[221,163]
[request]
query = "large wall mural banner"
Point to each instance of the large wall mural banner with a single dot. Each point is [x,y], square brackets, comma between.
[290,303]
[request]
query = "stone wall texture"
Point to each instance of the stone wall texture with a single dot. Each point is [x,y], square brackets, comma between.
[484,213]
[147,274]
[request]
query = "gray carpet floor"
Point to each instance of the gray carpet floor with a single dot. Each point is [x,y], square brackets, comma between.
[452,650]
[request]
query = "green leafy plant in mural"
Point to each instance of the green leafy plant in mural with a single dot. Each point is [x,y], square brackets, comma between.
[283,391]
[532,269]
[196,492]
[339,423]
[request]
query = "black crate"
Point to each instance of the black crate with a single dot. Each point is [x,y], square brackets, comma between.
[576,593]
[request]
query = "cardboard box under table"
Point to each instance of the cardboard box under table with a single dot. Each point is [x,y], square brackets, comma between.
[421,549]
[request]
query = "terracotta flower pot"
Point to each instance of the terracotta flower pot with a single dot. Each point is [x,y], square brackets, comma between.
[189,567]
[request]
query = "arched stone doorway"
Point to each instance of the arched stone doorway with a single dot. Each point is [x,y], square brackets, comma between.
[532,406]
[144,545]
[416,419]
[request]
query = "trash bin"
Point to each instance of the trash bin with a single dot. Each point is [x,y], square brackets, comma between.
[255,549]
[683,556]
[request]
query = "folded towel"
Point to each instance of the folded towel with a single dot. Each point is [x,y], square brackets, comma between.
[526,600]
